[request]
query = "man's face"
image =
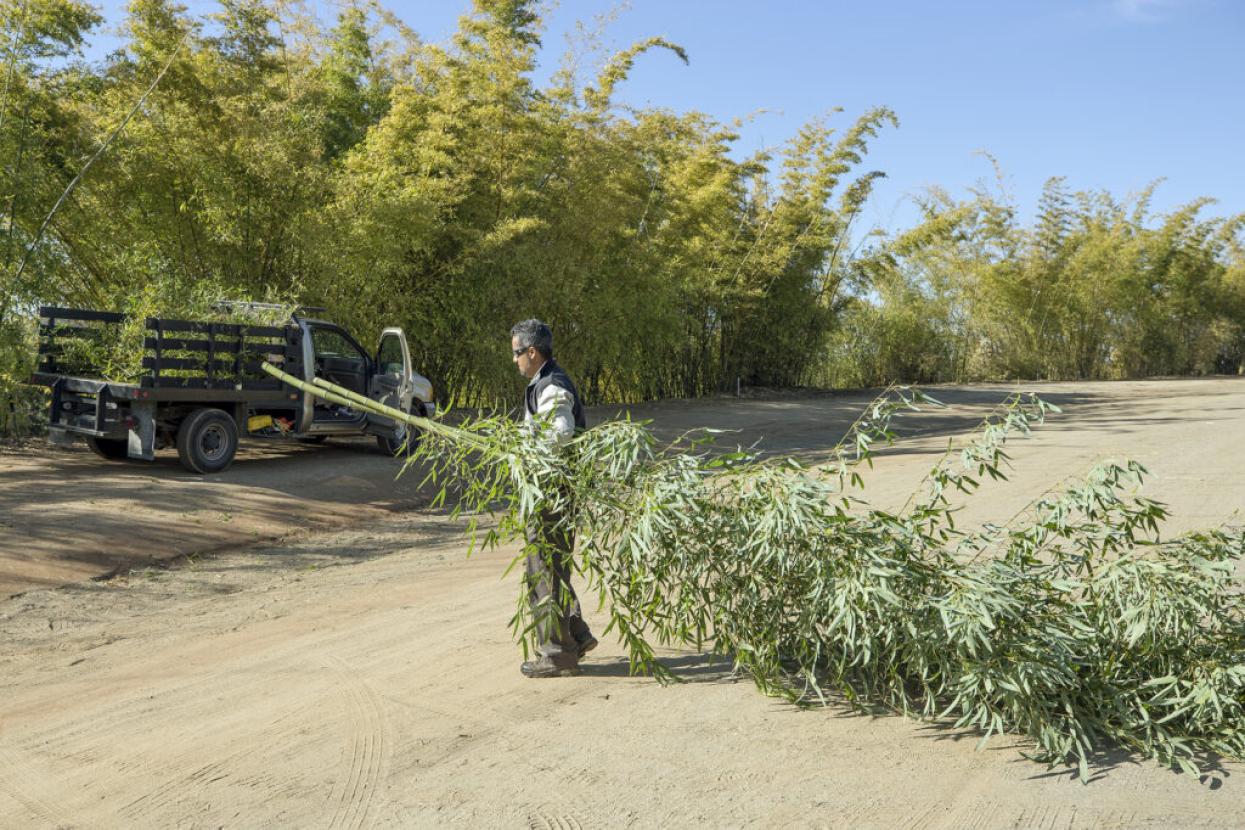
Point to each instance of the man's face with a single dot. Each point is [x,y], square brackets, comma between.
[528,360]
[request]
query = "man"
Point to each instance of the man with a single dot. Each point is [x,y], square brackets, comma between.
[552,406]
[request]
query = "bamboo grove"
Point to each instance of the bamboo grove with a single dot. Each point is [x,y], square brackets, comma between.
[1074,624]
[259,153]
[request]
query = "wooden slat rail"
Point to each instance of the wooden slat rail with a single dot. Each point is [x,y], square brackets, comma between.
[182,344]
[231,354]
[266,331]
[60,324]
[51,312]
[199,354]
[161,325]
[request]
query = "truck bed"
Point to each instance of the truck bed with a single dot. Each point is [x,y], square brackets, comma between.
[184,361]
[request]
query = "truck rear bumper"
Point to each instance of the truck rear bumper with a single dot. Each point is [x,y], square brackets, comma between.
[98,409]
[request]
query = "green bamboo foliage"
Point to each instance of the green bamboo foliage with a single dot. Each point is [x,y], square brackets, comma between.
[1093,288]
[1075,624]
[435,186]
[350,165]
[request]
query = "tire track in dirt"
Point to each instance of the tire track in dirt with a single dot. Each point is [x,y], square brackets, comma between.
[132,702]
[166,708]
[925,819]
[987,815]
[353,799]
[20,781]
[983,815]
[132,711]
[163,794]
[544,819]
[168,793]
[119,702]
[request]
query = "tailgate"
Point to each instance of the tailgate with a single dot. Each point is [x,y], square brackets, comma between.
[85,407]
[81,403]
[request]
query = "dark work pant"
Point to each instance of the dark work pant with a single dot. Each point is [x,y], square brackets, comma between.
[555,609]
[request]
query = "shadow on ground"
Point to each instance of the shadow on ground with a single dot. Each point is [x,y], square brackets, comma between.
[690,668]
[1101,762]
[716,668]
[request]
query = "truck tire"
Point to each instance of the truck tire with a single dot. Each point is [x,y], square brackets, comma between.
[400,447]
[207,440]
[114,449]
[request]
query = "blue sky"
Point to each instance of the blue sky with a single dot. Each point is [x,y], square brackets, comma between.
[1109,93]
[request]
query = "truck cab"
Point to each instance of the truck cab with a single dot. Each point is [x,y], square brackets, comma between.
[386,376]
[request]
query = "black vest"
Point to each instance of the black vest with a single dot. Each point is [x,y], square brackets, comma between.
[551,374]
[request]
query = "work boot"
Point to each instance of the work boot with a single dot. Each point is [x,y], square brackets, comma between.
[586,645]
[544,667]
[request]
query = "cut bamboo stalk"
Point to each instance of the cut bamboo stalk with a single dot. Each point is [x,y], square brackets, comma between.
[344,397]
[364,401]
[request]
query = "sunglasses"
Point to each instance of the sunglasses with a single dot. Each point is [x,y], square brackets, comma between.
[518,352]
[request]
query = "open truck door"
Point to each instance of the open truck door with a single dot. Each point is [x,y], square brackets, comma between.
[392,385]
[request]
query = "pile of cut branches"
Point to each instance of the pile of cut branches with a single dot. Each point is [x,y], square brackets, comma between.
[1074,624]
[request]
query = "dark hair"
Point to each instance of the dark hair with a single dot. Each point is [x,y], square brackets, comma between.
[534,333]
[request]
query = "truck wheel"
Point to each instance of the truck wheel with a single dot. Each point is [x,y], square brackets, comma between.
[399,446]
[114,449]
[207,440]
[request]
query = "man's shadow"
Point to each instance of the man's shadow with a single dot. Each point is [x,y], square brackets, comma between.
[689,668]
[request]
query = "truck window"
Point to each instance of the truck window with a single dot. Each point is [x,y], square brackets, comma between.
[339,361]
[329,343]
[390,357]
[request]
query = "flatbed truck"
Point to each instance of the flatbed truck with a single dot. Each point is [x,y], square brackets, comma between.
[201,389]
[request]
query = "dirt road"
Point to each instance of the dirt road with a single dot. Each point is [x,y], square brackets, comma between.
[66,515]
[362,675]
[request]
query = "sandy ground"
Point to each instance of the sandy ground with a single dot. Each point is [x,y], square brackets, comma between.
[338,663]
[67,515]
